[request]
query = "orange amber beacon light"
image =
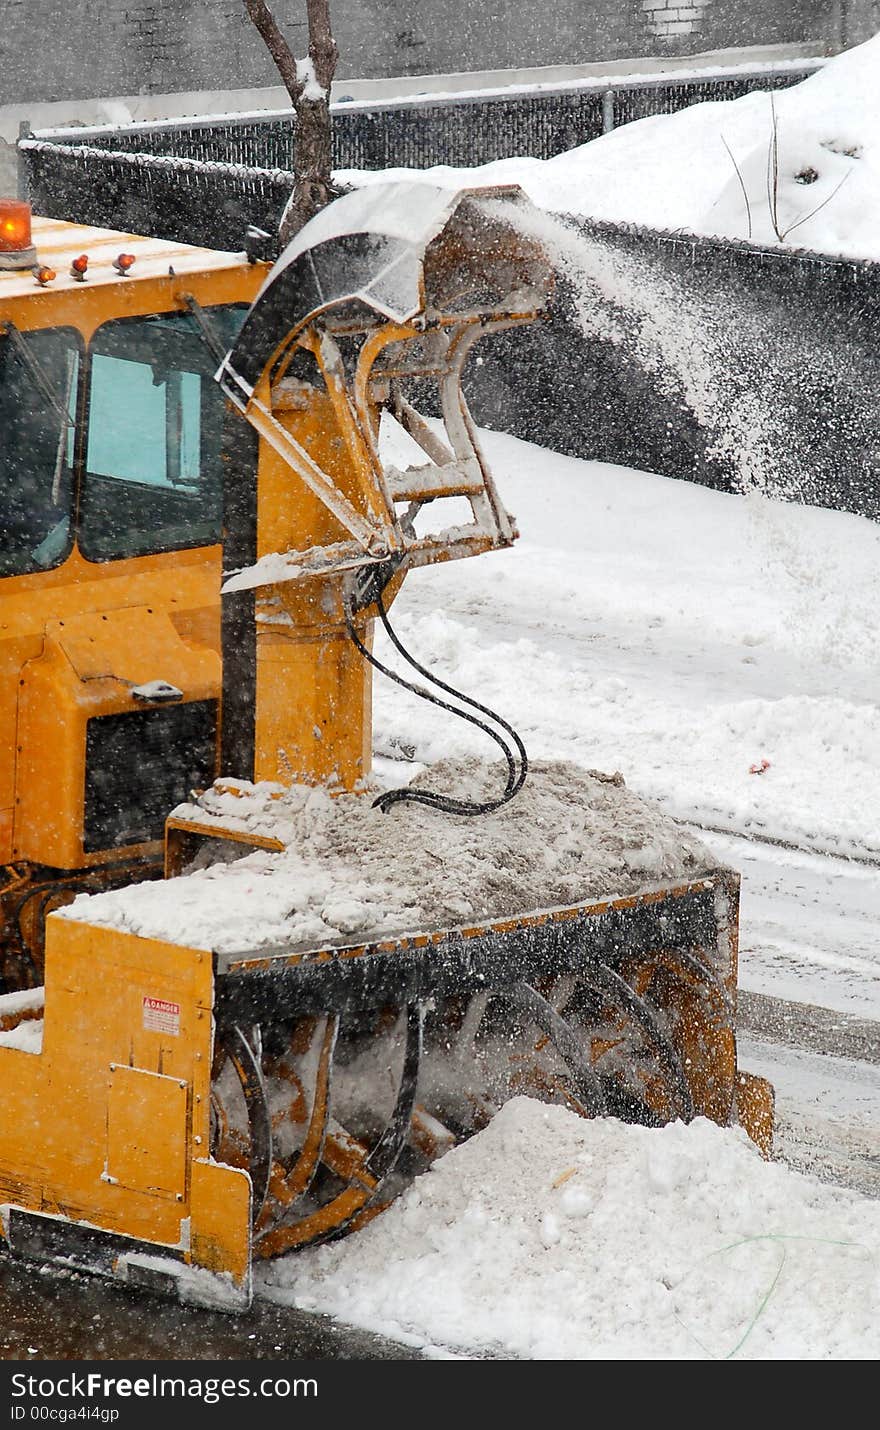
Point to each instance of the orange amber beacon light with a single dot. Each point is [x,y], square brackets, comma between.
[16,244]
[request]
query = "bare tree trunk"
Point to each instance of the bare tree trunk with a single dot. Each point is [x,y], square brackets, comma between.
[308,84]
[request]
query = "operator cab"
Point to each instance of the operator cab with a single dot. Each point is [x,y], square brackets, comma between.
[111,424]
[111,427]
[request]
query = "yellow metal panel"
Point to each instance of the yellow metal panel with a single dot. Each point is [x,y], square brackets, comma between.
[17,646]
[185,584]
[177,580]
[59,1135]
[313,711]
[147,1131]
[86,667]
[220,1202]
[184,838]
[755,1109]
[137,644]
[290,517]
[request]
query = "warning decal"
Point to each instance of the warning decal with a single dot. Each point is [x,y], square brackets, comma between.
[160,1016]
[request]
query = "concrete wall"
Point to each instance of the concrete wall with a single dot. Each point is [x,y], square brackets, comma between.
[85,48]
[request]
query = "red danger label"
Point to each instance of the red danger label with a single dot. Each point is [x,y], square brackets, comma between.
[160,1016]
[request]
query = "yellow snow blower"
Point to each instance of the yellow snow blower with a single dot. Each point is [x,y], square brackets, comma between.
[338,979]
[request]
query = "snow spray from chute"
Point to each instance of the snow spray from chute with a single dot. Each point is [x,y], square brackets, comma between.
[674,336]
[681,339]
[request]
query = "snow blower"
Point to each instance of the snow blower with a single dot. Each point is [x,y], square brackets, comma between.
[339,979]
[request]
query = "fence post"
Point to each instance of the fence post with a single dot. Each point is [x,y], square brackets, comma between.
[24,132]
[608,97]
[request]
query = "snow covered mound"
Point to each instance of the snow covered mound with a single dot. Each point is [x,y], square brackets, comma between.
[800,167]
[807,157]
[548,1237]
[350,872]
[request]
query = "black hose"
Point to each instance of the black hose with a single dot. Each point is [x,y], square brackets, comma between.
[515,776]
[514,784]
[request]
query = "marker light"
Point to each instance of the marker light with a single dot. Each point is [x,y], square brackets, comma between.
[123,262]
[16,244]
[44,275]
[78,267]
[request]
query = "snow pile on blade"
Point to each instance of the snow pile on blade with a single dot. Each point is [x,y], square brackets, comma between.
[351,873]
[549,1237]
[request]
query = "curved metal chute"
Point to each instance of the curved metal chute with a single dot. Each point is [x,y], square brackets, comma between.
[376,250]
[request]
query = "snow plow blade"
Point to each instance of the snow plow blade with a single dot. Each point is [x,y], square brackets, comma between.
[334,1076]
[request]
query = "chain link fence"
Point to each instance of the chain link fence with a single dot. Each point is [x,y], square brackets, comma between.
[236,164]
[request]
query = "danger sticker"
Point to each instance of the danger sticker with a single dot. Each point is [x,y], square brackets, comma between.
[160,1016]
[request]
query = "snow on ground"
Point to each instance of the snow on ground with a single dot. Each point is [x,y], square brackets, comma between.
[677,634]
[547,1237]
[827,1114]
[705,169]
[808,927]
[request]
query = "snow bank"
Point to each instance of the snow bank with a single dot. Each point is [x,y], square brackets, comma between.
[547,1237]
[705,168]
[350,872]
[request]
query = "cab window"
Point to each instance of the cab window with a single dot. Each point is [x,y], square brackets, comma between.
[37,408]
[152,477]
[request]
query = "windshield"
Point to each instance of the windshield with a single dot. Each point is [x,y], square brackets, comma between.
[36,449]
[152,479]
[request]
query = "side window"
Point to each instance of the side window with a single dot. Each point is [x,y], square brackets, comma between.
[38,396]
[152,479]
[159,443]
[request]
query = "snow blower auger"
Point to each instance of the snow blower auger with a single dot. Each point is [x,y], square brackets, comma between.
[333,986]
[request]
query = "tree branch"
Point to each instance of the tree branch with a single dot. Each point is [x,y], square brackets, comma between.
[312,156]
[322,46]
[741,183]
[276,44]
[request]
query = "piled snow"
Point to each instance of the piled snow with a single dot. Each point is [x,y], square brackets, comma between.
[351,872]
[821,139]
[20,1027]
[26,1036]
[12,1005]
[547,1237]
[305,74]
